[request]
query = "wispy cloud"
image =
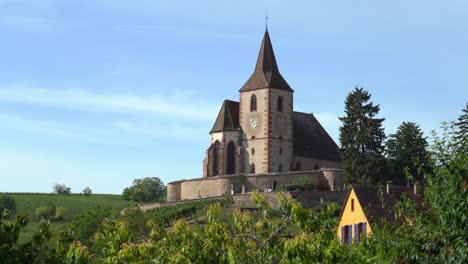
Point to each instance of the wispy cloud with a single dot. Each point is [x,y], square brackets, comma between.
[48,128]
[34,23]
[78,99]
[171,130]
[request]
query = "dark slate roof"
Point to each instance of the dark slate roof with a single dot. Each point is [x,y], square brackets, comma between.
[228,117]
[372,205]
[311,139]
[266,74]
[313,199]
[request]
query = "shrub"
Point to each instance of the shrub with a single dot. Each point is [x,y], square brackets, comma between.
[60,188]
[45,212]
[6,202]
[60,213]
[86,224]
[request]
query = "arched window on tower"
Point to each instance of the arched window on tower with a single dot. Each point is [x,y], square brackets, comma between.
[216,158]
[279,104]
[253,103]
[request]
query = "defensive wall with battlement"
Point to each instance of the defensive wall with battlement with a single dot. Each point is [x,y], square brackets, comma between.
[244,183]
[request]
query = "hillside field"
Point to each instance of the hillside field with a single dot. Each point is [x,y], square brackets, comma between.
[74,204]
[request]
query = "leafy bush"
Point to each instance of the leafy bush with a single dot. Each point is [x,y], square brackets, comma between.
[6,202]
[60,213]
[86,224]
[45,212]
[145,190]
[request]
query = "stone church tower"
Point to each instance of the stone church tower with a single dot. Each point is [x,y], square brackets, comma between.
[266,106]
[262,134]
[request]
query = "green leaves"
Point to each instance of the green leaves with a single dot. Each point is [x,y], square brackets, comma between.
[148,189]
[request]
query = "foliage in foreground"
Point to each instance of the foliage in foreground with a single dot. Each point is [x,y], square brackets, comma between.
[292,234]
[7,203]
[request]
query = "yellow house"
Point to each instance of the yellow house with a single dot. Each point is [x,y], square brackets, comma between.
[363,205]
[353,221]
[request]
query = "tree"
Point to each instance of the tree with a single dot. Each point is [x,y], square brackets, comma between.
[407,154]
[361,138]
[60,188]
[7,203]
[148,189]
[87,191]
[461,133]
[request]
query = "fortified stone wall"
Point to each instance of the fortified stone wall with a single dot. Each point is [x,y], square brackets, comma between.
[234,184]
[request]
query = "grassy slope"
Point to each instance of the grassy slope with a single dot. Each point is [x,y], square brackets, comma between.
[26,203]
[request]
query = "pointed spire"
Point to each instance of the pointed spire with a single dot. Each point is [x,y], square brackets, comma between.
[266,74]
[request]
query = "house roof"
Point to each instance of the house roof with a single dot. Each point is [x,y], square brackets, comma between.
[374,207]
[313,199]
[266,73]
[311,139]
[228,117]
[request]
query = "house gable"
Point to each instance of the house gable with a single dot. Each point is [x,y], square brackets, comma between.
[352,217]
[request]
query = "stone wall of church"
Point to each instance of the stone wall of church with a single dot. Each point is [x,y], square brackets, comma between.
[222,185]
[224,139]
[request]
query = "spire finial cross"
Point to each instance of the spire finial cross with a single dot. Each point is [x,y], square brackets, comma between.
[266,20]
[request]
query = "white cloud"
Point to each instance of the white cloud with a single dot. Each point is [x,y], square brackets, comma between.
[83,100]
[166,130]
[48,128]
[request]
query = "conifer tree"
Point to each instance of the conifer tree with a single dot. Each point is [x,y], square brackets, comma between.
[407,154]
[361,138]
[461,133]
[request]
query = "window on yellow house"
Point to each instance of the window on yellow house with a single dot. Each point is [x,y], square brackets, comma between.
[352,205]
[346,234]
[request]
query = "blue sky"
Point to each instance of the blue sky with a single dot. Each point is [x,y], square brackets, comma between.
[100,92]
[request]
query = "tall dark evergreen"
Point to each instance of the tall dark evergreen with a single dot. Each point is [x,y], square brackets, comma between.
[361,138]
[407,154]
[461,132]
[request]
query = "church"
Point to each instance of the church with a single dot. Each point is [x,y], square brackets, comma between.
[260,142]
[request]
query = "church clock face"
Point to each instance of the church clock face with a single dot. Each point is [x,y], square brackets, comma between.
[253,123]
